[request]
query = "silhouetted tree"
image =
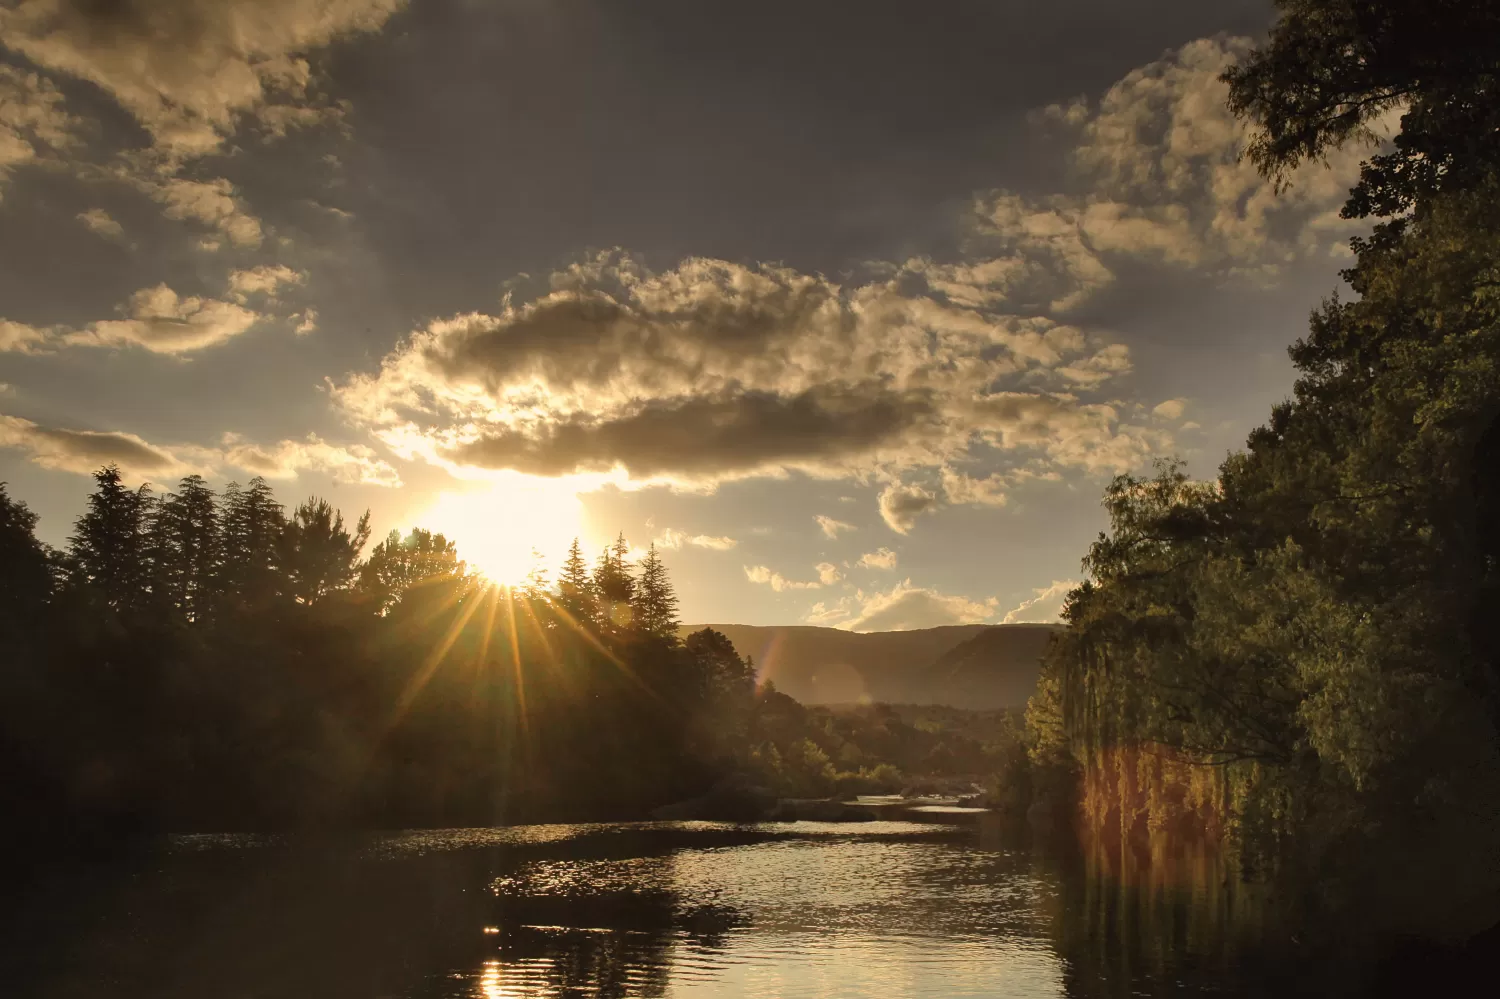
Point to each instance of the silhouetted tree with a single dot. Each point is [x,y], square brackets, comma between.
[397,564]
[186,549]
[25,573]
[108,548]
[613,584]
[653,603]
[252,525]
[1333,66]
[318,554]
[575,589]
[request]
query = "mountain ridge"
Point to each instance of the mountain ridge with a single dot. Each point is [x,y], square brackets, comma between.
[966,666]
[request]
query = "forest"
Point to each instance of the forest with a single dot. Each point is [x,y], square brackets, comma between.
[208,661]
[1301,657]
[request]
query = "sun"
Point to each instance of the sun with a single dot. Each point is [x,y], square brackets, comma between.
[498,525]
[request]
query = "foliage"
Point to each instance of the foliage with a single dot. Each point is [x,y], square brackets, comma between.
[1333,66]
[1304,654]
[211,662]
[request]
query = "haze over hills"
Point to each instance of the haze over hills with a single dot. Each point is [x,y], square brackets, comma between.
[966,666]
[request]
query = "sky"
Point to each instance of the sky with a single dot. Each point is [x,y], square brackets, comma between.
[852,308]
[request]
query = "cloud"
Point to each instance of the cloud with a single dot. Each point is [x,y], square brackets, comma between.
[714,371]
[880,558]
[992,490]
[778,582]
[99,221]
[1044,606]
[213,202]
[355,464]
[307,322]
[1172,409]
[673,538]
[900,506]
[264,280]
[159,320]
[190,71]
[34,125]
[831,528]
[20,338]
[905,607]
[83,451]
[1162,159]
[825,614]
[828,573]
[164,322]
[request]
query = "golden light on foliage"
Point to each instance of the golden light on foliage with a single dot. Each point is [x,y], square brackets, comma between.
[498,525]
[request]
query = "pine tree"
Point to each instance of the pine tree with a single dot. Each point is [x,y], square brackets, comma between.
[613,583]
[25,576]
[109,543]
[252,527]
[654,603]
[575,590]
[318,553]
[185,549]
[535,586]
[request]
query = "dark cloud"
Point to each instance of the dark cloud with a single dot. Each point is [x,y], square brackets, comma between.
[709,437]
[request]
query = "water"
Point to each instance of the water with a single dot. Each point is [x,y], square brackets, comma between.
[684,909]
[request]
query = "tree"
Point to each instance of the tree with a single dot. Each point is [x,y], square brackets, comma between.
[398,564]
[108,547]
[653,602]
[1333,66]
[613,584]
[319,555]
[575,590]
[186,549]
[25,573]
[252,525]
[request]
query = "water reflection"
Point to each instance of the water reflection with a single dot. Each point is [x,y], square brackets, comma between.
[646,910]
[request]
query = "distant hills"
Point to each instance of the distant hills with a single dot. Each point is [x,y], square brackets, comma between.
[965,666]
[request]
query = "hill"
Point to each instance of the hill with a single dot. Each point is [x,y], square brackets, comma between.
[967,666]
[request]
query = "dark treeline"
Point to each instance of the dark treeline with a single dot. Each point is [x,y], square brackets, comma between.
[207,661]
[1302,657]
[203,661]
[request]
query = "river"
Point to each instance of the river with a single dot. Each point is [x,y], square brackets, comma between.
[883,909]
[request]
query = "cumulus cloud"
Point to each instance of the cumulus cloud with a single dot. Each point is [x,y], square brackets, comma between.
[307,322]
[828,573]
[354,464]
[102,223]
[20,338]
[264,280]
[83,451]
[905,607]
[931,371]
[778,582]
[164,322]
[160,320]
[1162,159]
[1044,606]
[1171,409]
[900,506]
[715,371]
[674,539]
[191,71]
[34,125]
[215,203]
[880,558]
[831,528]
